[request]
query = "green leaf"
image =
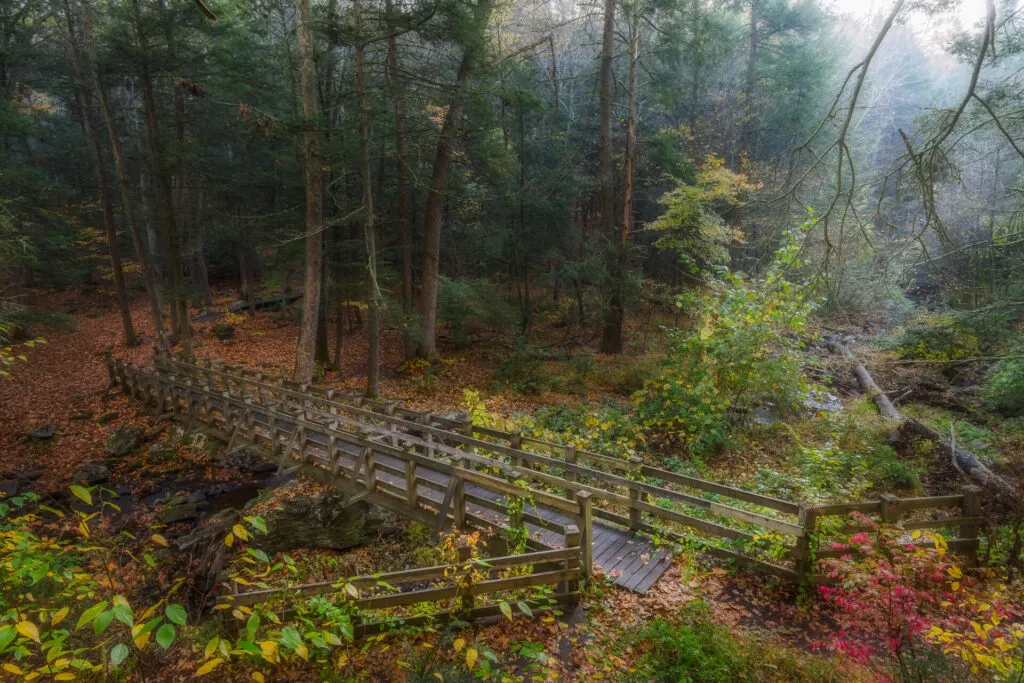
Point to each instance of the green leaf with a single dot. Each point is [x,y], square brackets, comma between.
[90,614]
[165,636]
[6,636]
[524,608]
[176,613]
[258,554]
[82,494]
[103,621]
[258,523]
[118,655]
[252,625]
[505,609]
[124,614]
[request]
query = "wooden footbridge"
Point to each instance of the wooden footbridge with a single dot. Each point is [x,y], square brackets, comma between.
[446,472]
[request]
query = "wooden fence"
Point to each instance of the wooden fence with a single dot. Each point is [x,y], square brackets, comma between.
[462,584]
[580,484]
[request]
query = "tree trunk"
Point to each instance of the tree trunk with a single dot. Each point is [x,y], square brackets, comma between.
[630,160]
[304,354]
[748,94]
[434,208]
[611,336]
[169,236]
[402,193]
[96,153]
[964,462]
[149,276]
[374,298]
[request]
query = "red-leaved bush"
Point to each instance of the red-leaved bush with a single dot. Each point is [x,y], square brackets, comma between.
[903,603]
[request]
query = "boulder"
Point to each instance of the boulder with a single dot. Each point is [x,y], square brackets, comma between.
[43,432]
[318,521]
[123,441]
[92,473]
[8,489]
[161,453]
[223,331]
[179,512]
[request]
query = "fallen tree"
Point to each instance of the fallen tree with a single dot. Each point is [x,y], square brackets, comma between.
[963,461]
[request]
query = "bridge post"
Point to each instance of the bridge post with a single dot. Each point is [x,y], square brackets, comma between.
[465,555]
[636,495]
[459,499]
[411,488]
[389,410]
[572,540]
[427,418]
[368,457]
[808,519]
[586,525]
[467,429]
[515,442]
[570,458]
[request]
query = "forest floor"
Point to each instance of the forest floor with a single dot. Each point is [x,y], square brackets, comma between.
[64,382]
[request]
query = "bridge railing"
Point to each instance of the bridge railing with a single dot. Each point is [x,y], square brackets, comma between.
[471,588]
[637,496]
[773,535]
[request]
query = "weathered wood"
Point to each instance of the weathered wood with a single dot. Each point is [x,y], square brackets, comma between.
[586,526]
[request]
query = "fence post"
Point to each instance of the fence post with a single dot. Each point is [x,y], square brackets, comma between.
[467,430]
[889,509]
[636,495]
[515,442]
[572,540]
[427,419]
[368,457]
[586,526]
[459,498]
[971,508]
[808,519]
[389,410]
[570,458]
[411,488]
[465,554]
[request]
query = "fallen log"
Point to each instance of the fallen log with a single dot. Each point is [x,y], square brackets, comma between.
[270,302]
[965,462]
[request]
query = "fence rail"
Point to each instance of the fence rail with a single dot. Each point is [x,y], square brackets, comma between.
[463,582]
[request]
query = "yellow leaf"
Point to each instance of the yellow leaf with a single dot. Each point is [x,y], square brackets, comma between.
[955,586]
[209,666]
[211,647]
[229,540]
[955,572]
[459,644]
[301,651]
[240,531]
[66,676]
[28,629]
[342,660]
[269,650]
[258,677]
[159,540]
[11,669]
[470,657]
[59,616]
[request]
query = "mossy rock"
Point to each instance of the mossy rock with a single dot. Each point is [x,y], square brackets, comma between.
[123,441]
[223,331]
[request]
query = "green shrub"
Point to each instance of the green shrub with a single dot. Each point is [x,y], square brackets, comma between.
[603,430]
[743,353]
[1004,387]
[695,650]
